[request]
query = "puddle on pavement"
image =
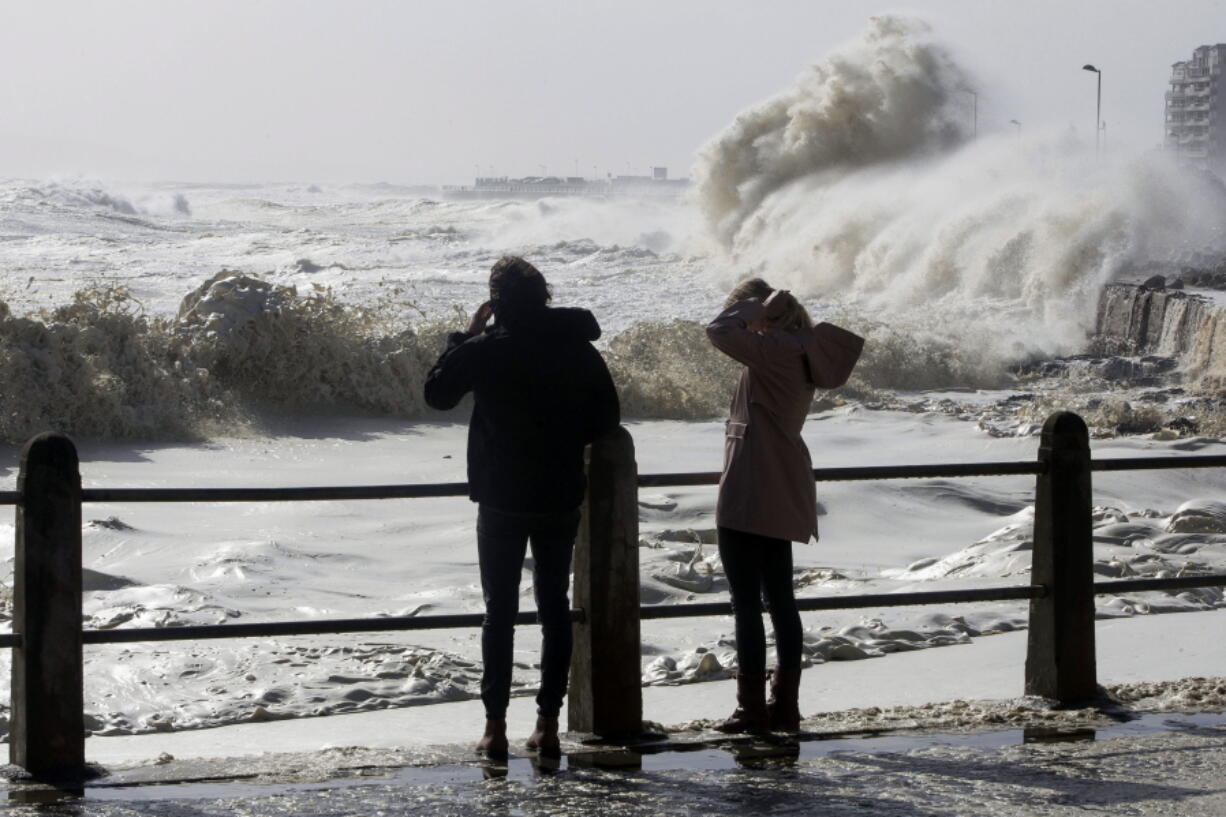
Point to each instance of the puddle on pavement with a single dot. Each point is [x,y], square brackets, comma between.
[771,752]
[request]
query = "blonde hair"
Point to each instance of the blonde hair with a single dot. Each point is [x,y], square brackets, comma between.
[747,289]
[795,317]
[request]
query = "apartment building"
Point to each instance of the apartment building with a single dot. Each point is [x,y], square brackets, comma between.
[1196,110]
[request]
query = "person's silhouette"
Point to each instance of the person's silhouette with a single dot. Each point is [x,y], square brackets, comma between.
[541,394]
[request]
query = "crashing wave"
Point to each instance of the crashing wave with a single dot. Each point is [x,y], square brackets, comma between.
[859,183]
[94,197]
[100,368]
[892,94]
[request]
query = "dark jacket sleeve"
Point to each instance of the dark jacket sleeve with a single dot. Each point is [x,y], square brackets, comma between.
[452,376]
[605,409]
[729,332]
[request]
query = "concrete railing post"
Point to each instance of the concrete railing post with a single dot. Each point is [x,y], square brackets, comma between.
[1060,659]
[606,696]
[48,730]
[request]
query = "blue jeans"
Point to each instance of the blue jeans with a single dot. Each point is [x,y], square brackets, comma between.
[760,567]
[502,541]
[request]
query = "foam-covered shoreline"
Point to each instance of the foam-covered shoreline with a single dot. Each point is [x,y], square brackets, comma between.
[151,565]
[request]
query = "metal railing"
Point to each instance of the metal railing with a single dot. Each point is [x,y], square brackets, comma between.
[47,726]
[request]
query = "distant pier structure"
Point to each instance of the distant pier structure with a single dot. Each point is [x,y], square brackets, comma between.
[1196,110]
[658,184]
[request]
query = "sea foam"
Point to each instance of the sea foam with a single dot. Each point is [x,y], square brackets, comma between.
[100,368]
[242,347]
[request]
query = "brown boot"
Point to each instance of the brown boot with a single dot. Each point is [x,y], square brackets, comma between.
[783,708]
[750,714]
[494,742]
[544,738]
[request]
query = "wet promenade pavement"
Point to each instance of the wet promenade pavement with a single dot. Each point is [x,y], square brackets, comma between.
[1165,764]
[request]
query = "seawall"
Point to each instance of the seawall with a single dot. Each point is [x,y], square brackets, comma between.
[1138,320]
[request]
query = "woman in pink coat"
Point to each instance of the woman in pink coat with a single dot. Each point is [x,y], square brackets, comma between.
[767,496]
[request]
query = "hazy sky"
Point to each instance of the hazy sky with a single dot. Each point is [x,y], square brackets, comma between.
[431,91]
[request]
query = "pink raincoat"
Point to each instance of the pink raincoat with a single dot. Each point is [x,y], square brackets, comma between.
[767,485]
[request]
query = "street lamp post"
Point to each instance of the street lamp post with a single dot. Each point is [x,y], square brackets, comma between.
[1019,127]
[1098,110]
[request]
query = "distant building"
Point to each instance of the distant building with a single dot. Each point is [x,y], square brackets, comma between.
[1196,110]
[657,185]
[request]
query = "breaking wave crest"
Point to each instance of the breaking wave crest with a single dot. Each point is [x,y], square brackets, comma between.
[669,370]
[859,183]
[892,94]
[94,197]
[100,368]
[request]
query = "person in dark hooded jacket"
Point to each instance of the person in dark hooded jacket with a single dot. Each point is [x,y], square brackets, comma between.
[541,393]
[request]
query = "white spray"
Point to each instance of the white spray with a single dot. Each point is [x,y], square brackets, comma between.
[860,181]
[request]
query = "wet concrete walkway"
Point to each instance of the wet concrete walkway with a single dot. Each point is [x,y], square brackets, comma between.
[1163,764]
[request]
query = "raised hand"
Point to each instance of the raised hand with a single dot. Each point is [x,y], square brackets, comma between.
[480,318]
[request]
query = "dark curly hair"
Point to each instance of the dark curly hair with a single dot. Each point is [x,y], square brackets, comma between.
[516,285]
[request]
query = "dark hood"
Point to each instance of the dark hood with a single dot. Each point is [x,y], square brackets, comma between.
[560,322]
[831,353]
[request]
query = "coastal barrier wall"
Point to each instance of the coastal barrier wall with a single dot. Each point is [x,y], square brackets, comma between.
[1140,320]
[48,732]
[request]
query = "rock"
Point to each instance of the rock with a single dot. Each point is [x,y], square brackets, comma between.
[110,523]
[1183,426]
[1155,282]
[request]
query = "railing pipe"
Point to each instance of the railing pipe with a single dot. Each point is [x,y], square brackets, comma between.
[869,472]
[1140,585]
[1158,463]
[266,629]
[304,494]
[724,608]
